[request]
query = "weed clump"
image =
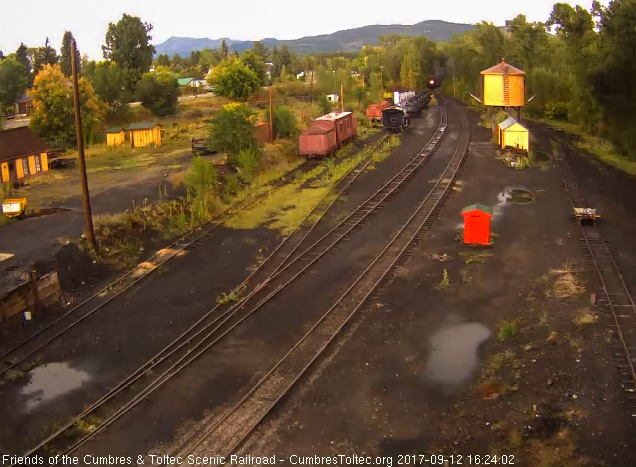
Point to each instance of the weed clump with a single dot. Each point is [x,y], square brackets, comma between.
[506,330]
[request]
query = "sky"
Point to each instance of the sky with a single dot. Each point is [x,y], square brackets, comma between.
[253,20]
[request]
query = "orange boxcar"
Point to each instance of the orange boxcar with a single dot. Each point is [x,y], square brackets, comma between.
[374,111]
[328,133]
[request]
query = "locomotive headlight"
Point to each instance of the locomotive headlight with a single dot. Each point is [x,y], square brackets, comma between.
[432,81]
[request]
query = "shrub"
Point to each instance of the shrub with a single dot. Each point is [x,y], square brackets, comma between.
[285,123]
[232,129]
[201,183]
[247,161]
[556,110]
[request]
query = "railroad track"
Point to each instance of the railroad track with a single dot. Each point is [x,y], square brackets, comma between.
[614,296]
[98,300]
[274,274]
[223,435]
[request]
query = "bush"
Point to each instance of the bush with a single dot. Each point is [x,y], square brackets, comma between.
[232,129]
[201,182]
[232,184]
[159,92]
[247,161]
[285,123]
[324,105]
[556,110]
[234,80]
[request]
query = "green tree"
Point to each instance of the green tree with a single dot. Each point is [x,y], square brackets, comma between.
[224,50]
[22,56]
[255,63]
[159,92]
[260,51]
[53,115]
[281,59]
[44,56]
[375,88]
[108,80]
[162,60]
[616,72]
[128,45]
[13,82]
[285,123]
[232,129]
[208,59]
[234,80]
[65,53]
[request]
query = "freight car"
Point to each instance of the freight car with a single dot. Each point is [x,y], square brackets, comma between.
[415,105]
[374,111]
[328,133]
[395,119]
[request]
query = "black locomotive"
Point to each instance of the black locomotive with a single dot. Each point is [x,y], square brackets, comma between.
[395,119]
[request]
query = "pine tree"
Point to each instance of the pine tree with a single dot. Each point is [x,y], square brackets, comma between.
[65,59]
[225,51]
[21,55]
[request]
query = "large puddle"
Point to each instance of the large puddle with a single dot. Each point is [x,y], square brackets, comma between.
[453,357]
[50,381]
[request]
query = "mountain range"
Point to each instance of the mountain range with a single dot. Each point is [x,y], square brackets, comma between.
[349,40]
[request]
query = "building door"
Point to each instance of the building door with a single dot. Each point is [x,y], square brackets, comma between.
[13,176]
[4,172]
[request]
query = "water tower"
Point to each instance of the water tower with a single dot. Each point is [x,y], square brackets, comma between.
[504,86]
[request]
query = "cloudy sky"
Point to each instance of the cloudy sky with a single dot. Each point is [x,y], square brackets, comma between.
[31,22]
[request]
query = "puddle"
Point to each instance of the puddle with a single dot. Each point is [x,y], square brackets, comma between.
[40,212]
[453,357]
[521,196]
[50,381]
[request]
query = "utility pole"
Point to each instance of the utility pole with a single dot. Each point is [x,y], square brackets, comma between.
[90,233]
[382,80]
[271,116]
[342,97]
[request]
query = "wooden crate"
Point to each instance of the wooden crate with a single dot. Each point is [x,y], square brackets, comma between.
[24,298]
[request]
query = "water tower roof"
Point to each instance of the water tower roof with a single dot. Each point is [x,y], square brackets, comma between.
[503,68]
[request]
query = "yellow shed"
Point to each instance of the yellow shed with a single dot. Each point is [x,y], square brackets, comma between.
[22,155]
[144,134]
[513,134]
[115,136]
[504,86]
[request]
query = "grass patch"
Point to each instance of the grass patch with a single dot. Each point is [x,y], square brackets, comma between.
[566,284]
[585,317]
[224,298]
[507,330]
[445,282]
[13,374]
[496,364]
[475,257]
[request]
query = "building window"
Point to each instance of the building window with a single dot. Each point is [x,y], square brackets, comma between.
[38,164]
[25,166]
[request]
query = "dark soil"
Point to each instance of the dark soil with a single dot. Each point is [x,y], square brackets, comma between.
[422,369]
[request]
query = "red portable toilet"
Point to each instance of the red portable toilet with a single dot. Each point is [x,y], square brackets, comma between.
[477,224]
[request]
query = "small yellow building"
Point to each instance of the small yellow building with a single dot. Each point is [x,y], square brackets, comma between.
[504,86]
[22,155]
[144,134]
[115,136]
[513,134]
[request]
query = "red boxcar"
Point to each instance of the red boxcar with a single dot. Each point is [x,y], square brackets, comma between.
[374,111]
[328,133]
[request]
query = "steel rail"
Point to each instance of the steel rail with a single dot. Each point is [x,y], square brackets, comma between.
[235,418]
[421,157]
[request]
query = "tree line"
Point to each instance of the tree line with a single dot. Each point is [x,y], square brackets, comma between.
[579,64]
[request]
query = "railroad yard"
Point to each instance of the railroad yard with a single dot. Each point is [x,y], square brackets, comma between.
[363,327]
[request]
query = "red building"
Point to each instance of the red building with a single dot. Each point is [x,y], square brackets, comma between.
[477,224]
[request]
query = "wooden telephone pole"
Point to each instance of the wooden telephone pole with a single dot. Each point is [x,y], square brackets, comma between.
[342,97]
[271,116]
[90,233]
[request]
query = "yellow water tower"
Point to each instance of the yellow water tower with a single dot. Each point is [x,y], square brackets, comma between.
[504,86]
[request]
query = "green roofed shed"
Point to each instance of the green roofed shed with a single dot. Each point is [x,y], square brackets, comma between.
[478,207]
[184,81]
[141,126]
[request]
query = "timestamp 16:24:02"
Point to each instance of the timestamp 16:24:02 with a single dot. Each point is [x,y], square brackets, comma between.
[494,459]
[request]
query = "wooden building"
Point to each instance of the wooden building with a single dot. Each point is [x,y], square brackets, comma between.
[144,134]
[115,136]
[23,105]
[512,134]
[504,86]
[22,155]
